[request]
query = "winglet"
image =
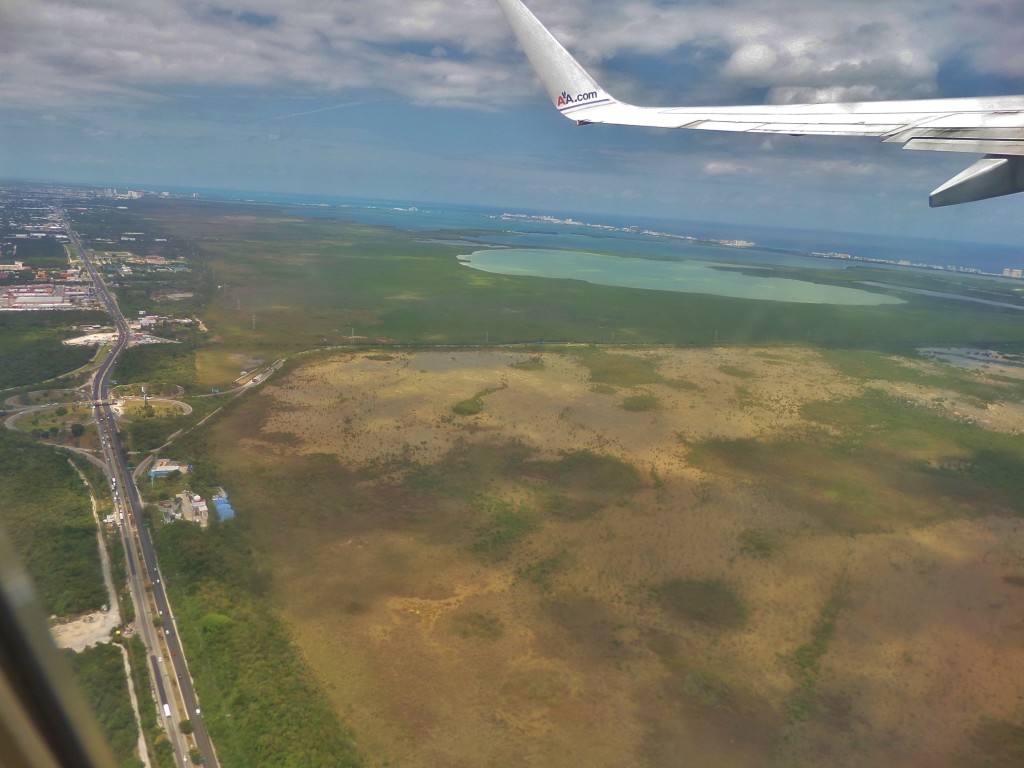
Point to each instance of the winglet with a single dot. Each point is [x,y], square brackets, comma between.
[992,176]
[569,85]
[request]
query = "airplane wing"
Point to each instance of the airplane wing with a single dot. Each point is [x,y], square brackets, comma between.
[991,126]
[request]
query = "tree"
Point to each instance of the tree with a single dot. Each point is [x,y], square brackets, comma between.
[61,411]
[77,430]
[186,726]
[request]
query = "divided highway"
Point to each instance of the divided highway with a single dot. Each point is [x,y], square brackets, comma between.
[176,696]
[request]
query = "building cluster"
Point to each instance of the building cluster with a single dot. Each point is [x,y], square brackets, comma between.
[148,322]
[45,296]
[20,268]
[189,506]
[127,264]
[193,508]
[117,194]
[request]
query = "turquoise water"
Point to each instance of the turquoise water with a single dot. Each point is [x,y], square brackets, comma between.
[494,228]
[680,276]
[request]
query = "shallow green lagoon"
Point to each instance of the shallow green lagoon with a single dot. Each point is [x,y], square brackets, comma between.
[679,276]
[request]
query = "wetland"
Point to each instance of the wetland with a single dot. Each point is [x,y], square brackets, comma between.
[753,532]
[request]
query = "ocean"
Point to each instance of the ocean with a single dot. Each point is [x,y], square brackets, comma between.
[656,238]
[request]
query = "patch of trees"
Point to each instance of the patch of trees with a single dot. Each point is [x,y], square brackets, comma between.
[171,363]
[41,253]
[242,658]
[31,349]
[145,434]
[45,509]
[100,673]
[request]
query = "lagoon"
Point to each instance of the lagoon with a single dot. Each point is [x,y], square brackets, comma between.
[678,276]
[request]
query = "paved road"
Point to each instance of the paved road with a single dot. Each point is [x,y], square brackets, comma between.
[168,665]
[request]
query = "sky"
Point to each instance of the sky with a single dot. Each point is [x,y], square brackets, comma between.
[432,100]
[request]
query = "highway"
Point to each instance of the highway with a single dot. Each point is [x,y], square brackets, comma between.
[172,682]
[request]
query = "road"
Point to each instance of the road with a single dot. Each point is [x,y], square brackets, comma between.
[168,665]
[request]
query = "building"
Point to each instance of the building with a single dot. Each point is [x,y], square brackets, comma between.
[194,509]
[165,467]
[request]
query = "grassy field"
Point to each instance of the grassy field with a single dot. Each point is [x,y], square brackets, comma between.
[722,575]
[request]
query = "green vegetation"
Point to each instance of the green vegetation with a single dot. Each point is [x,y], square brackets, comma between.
[469,407]
[246,670]
[31,349]
[806,660]
[149,428]
[473,625]
[683,385]
[709,602]
[737,372]
[58,425]
[581,483]
[314,282]
[45,509]
[999,744]
[542,571]
[101,675]
[475,404]
[159,365]
[42,253]
[759,543]
[620,370]
[890,463]
[535,363]
[864,364]
[503,527]
[640,403]
[146,434]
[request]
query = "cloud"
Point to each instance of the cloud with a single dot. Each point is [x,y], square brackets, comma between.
[461,53]
[725,168]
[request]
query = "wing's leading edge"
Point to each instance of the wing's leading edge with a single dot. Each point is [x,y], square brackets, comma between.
[992,126]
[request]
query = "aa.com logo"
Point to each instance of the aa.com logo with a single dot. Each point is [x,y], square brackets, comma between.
[566,98]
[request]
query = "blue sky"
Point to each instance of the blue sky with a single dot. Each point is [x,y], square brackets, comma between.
[432,100]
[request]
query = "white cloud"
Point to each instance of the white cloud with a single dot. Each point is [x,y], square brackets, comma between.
[725,168]
[461,52]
